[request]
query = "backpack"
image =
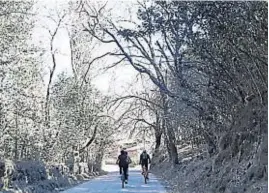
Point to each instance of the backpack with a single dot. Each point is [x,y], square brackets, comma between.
[123,160]
[144,156]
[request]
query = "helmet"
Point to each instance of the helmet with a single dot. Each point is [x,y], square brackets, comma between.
[144,151]
[122,152]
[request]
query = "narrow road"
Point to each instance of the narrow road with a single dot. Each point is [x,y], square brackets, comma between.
[111,183]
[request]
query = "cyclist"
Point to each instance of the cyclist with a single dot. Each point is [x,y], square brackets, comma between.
[120,167]
[124,160]
[144,161]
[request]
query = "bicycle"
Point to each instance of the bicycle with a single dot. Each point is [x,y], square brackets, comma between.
[145,174]
[122,180]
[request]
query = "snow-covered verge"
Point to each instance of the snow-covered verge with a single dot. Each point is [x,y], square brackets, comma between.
[35,177]
[240,164]
[199,176]
[197,172]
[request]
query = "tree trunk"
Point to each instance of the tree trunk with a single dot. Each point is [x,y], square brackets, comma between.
[172,149]
[22,156]
[174,153]
[16,137]
[171,139]
[158,138]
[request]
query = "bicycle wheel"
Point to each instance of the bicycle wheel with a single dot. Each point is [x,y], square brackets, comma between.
[122,181]
[145,174]
[145,177]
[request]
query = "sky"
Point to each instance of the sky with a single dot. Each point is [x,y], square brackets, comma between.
[115,81]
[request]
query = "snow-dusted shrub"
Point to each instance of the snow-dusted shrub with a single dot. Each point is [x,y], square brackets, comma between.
[30,171]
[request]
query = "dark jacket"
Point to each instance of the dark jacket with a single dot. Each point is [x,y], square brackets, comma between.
[124,160]
[144,158]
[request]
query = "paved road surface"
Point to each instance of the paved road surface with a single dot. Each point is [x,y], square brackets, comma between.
[111,183]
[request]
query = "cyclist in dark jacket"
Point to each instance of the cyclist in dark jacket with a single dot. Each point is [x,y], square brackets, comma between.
[124,161]
[125,152]
[144,160]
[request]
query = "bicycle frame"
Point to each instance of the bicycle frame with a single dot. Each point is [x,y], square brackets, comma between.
[122,180]
[145,174]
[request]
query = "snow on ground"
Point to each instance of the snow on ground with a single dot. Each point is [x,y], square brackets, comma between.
[111,183]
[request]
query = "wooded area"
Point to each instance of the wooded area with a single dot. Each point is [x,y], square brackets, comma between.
[205,64]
